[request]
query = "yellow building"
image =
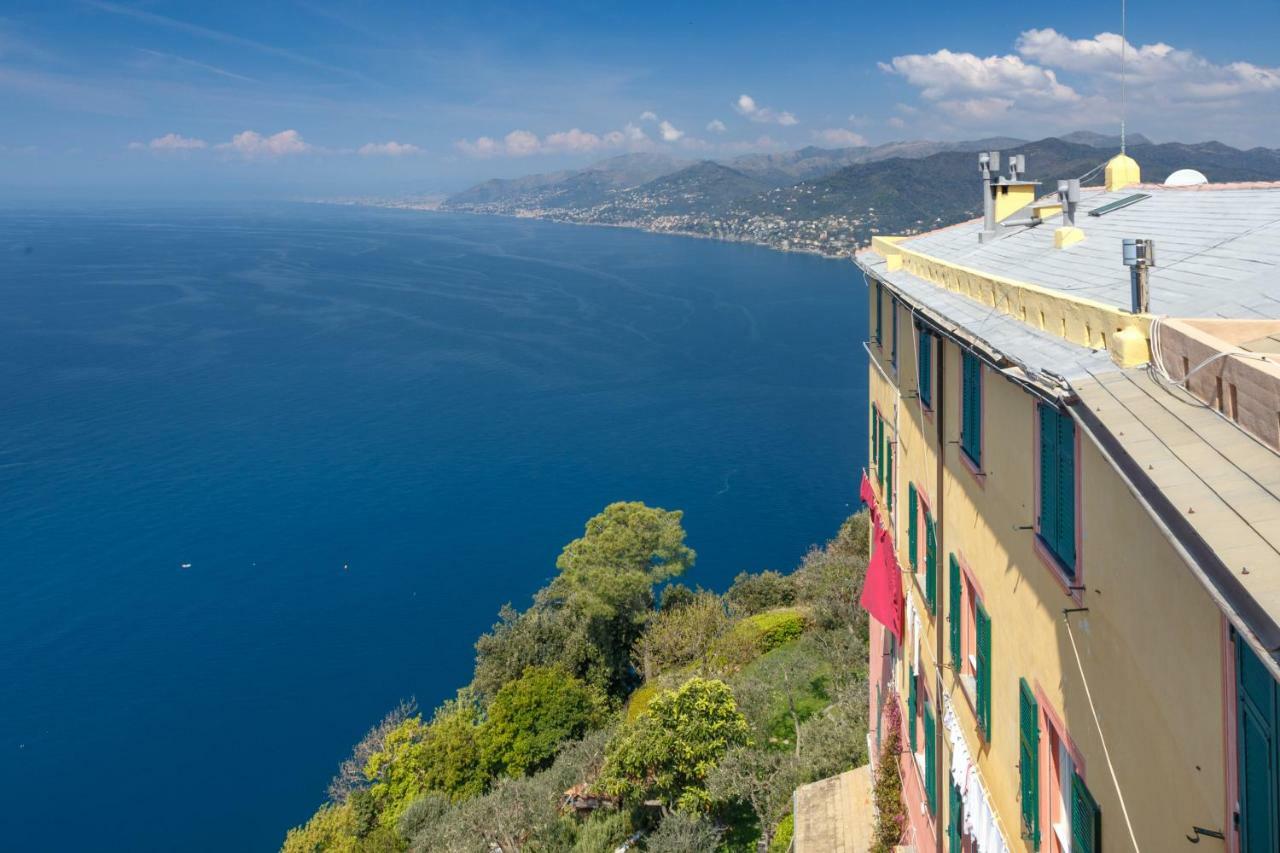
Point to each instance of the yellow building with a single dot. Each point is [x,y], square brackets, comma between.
[1077,462]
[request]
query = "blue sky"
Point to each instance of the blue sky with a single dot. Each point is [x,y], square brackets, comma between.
[324,97]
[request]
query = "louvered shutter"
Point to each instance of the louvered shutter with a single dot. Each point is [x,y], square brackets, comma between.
[1066,504]
[912,512]
[1048,474]
[971,416]
[983,674]
[888,476]
[911,713]
[953,588]
[879,313]
[1258,721]
[877,442]
[955,819]
[924,369]
[893,321]
[1029,763]
[930,563]
[1086,819]
[930,760]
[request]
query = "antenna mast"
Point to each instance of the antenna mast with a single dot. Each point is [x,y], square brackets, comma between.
[1124,47]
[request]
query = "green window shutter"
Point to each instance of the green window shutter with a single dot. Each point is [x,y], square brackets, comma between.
[1066,505]
[1048,526]
[955,820]
[1086,818]
[971,417]
[953,588]
[888,476]
[912,512]
[879,313]
[924,368]
[930,563]
[983,674]
[877,429]
[1257,760]
[893,331]
[930,760]
[1029,763]
[911,713]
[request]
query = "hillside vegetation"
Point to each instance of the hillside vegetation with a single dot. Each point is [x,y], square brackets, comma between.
[624,705]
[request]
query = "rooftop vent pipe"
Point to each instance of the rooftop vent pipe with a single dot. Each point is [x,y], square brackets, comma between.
[1139,257]
[989,166]
[1069,197]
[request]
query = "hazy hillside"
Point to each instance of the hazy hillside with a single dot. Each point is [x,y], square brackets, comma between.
[832,201]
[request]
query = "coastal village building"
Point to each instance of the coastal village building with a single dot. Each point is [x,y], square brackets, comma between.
[1074,475]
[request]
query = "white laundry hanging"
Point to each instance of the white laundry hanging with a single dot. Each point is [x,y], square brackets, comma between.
[980,821]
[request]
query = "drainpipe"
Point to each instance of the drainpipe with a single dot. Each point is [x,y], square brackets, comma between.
[939,415]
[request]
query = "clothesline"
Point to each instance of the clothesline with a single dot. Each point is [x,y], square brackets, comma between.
[981,822]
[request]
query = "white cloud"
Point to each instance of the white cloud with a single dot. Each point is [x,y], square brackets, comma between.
[895,122]
[387,149]
[747,106]
[943,75]
[251,144]
[1179,74]
[1052,82]
[669,131]
[839,137]
[169,142]
[716,126]
[648,115]
[524,143]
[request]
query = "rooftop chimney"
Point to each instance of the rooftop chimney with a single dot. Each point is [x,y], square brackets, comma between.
[1002,197]
[1069,198]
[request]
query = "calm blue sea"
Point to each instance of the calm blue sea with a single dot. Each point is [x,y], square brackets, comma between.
[364,431]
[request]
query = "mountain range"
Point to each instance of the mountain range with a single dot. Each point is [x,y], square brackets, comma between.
[830,200]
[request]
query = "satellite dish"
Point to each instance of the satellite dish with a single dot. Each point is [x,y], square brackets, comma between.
[1185,178]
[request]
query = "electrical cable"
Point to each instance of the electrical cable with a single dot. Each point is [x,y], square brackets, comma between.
[1106,752]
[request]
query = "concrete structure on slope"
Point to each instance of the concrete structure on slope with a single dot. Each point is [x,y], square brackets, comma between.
[1075,419]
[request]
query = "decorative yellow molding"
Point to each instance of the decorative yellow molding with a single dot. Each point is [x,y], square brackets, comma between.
[1073,318]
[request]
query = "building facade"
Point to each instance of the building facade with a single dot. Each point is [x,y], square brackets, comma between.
[1075,463]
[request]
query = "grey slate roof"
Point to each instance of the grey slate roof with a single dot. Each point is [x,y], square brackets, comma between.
[1033,348]
[1217,251]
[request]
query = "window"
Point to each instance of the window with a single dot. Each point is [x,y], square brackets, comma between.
[1029,763]
[877,444]
[911,711]
[930,760]
[912,512]
[879,314]
[956,615]
[1057,522]
[1257,752]
[930,563]
[893,332]
[982,669]
[1086,818]
[888,476]
[924,369]
[955,820]
[971,414]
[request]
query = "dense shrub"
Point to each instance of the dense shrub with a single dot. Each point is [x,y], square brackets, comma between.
[683,833]
[781,842]
[681,636]
[755,593]
[670,748]
[531,716]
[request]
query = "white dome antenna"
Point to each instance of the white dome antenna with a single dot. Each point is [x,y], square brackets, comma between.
[1186,178]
